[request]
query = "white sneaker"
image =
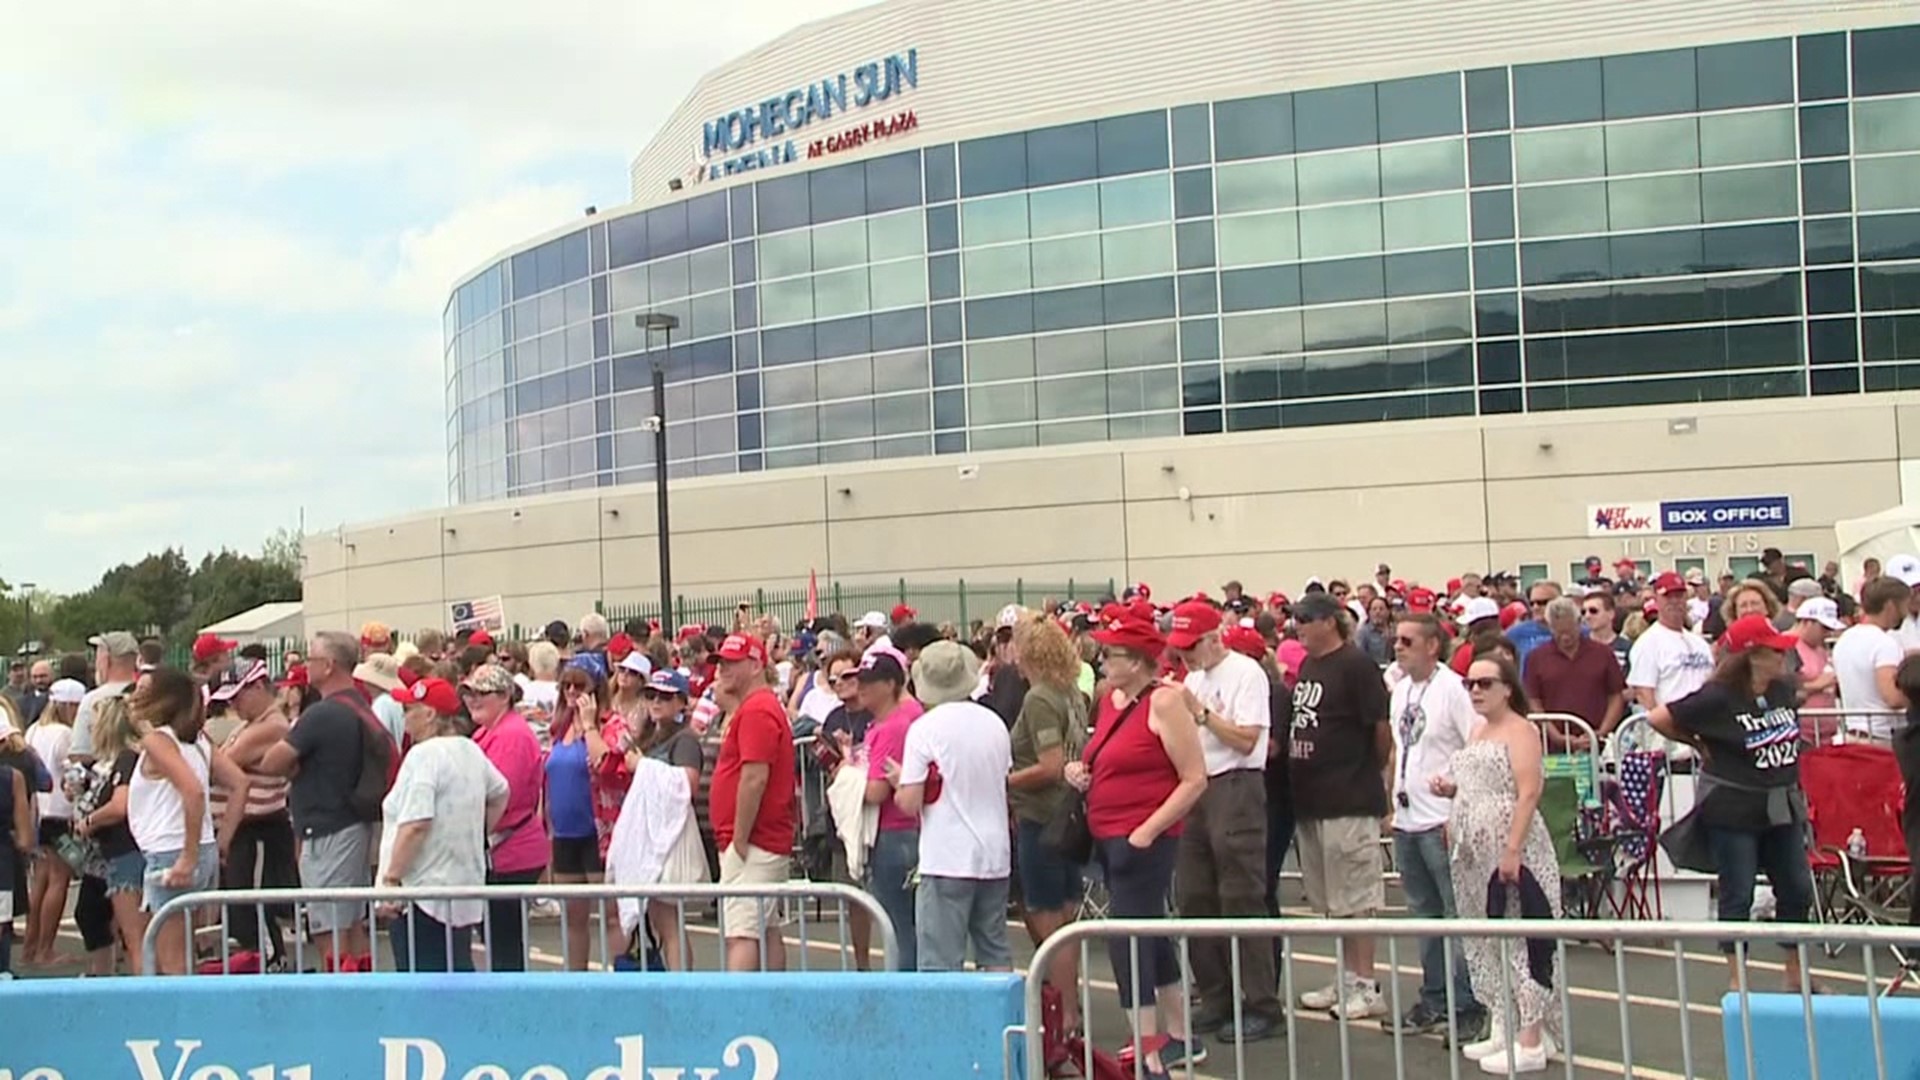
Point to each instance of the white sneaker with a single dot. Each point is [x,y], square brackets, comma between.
[1495,1040]
[1324,998]
[1363,1000]
[1523,1059]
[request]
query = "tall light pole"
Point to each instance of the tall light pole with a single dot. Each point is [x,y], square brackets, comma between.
[648,323]
[26,633]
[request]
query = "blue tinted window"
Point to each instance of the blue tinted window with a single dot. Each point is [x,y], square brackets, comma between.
[1201,422]
[1656,254]
[1420,108]
[597,240]
[600,296]
[1335,117]
[943,228]
[601,338]
[950,442]
[1419,272]
[741,199]
[573,257]
[746,308]
[1829,292]
[1889,288]
[945,321]
[1500,402]
[787,345]
[549,267]
[949,366]
[1550,261]
[1749,73]
[782,203]
[1260,288]
[893,182]
[1200,339]
[1493,214]
[1193,244]
[943,277]
[524,271]
[1823,131]
[667,229]
[1826,187]
[1883,60]
[1487,100]
[838,193]
[1496,314]
[746,352]
[707,220]
[712,357]
[1494,267]
[744,263]
[1499,361]
[989,166]
[842,337]
[899,330]
[1831,240]
[999,316]
[746,390]
[1840,380]
[1342,279]
[1131,144]
[1751,247]
[1650,84]
[749,427]
[1134,301]
[1823,67]
[1253,127]
[626,241]
[1192,135]
[1490,160]
[1061,155]
[1563,92]
[1832,341]
[1200,385]
[949,409]
[941,183]
[1892,236]
[1067,309]
[1199,294]
[1193,193]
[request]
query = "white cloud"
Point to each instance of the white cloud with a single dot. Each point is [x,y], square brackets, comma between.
[231,228]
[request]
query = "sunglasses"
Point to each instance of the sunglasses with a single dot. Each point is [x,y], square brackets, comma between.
[468,691]
[1483,684]
[1540,603]
[1406,641]
[1595,611]
[846,676]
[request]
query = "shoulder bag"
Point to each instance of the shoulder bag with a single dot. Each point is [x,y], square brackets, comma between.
[1067,834]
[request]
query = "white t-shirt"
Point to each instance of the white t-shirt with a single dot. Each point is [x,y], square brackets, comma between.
[1909,634]
[1234,688]
[53,742]
[1671,663]
[963,834]
[819,701]
[448,781]
[1436,717]
[1697,611]
[82,745]
[1857,656]
[539,700]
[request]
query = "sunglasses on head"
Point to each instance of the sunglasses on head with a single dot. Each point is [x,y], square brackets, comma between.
[1483,683]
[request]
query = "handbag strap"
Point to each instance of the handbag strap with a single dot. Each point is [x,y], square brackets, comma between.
[1094,754]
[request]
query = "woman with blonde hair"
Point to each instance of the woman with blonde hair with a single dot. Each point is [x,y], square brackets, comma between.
[116,751]
[1048,732]
[50,737]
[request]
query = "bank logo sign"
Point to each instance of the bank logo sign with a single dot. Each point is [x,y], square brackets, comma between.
[1690,515]
[767,133]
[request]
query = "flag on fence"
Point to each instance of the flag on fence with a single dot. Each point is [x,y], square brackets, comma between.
[486,613]
[813,596]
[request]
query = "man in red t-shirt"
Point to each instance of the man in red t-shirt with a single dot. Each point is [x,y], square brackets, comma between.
[752,801]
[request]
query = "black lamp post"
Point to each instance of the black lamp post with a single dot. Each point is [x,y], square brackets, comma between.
[26,598]
[658,422]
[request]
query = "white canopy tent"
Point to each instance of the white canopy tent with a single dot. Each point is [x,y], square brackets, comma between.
[1895,531]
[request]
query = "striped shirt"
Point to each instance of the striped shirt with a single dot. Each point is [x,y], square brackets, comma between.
[266,795]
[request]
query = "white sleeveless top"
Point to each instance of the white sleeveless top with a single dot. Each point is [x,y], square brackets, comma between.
[155,811]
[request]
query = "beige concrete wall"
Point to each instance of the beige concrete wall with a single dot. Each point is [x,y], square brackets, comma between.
[1432,498]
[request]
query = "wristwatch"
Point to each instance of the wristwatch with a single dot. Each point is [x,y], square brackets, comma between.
[1206,717]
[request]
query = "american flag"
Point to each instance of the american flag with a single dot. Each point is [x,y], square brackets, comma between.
[471,614]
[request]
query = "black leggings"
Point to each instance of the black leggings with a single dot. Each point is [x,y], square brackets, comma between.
[93,914]
[506,935]
[265,843]
[1137,887]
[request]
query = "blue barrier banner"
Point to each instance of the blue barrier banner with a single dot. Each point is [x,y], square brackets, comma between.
[1843,1030]
[509,1027]
[1725,515]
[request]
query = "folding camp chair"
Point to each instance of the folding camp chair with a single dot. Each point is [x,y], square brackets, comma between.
[1585,870]
[1632,799]
[1857,786]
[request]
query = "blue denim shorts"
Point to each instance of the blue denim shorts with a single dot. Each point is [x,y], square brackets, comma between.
[205,872]
[127,873]
[1047,881]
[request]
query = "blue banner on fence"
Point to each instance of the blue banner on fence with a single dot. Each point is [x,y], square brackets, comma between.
[1721,515]
[509,1027]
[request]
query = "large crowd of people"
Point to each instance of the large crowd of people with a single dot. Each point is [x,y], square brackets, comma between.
[1178,750]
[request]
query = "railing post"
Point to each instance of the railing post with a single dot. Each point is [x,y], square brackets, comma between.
[963,606]
[760,601]
[837,605]
[1070,593]
[1020,591]
[903,592]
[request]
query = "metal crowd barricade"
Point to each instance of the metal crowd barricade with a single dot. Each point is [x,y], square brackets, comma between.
[842,898]
[1595,1000]
[1832,723]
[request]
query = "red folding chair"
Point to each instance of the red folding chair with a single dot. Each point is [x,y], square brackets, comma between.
[1858,786]
[1633,824]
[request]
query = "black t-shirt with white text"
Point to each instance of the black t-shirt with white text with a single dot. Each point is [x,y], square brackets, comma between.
[1338,703]
[1750,741]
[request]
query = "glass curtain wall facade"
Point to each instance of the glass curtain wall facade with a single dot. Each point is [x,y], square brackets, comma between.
[1696,224]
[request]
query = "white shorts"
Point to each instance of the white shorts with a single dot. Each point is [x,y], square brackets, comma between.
[750,917]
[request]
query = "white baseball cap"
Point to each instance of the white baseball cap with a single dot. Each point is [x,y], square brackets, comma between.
[1823,611]
[1009,615]
[1906,568]
[67,691]
[874,620]
[1480,607]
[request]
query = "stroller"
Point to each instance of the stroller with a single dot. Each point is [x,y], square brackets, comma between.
[1857,786]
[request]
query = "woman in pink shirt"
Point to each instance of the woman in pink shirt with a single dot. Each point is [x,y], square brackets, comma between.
[1816,618]
[896,848]
[517,847]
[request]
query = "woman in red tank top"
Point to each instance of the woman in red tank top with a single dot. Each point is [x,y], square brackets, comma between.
[1142,770]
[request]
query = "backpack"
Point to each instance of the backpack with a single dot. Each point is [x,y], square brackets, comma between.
[379,759]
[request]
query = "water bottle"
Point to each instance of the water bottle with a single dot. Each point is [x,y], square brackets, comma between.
[1857,844]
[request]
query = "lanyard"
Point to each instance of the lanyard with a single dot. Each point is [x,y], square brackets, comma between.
[1413,725]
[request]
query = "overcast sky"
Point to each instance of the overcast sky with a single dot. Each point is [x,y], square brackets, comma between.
[227,229]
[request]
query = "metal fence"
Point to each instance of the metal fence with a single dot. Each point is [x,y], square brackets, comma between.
[216,912]
[1601,1005]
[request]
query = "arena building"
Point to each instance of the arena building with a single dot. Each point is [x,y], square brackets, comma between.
[1185,292]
